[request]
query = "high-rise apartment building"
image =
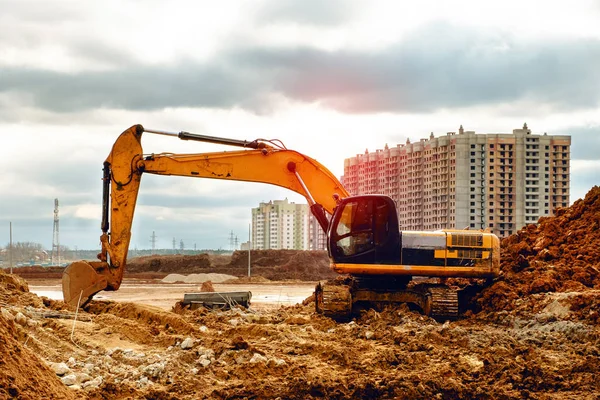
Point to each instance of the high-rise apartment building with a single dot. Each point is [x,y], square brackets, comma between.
[280,224]
[499,181]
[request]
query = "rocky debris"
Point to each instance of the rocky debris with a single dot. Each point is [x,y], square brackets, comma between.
[559,254]
[60,369]
[21,319]
[93,383]
[535,335]
[69,380]
[187,343]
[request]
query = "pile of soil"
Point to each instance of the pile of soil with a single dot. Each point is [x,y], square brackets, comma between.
[274,265]
[559,254]
[537,336]
[183,264]
[279,265]
[22,374]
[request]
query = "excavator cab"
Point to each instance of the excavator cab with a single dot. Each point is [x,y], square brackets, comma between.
[364,230]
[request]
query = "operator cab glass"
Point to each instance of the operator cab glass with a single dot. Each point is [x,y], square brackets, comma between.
[364,229]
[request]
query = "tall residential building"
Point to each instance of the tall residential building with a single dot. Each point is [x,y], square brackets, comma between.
[280,224]
[499,181]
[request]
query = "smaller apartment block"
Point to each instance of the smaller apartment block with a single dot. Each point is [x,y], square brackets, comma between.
[280,224]
[496,181]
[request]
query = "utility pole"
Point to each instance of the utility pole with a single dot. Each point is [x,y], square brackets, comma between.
[174,242]
[11,249]
[249,248]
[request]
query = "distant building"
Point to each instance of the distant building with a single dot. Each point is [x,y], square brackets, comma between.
[499,181]
[280,224]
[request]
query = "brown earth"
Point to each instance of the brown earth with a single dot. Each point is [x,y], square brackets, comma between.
[275,265]
[534,335]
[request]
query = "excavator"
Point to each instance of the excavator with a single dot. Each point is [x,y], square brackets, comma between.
[376,261]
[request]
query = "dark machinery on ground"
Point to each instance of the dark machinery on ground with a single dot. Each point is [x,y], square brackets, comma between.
[364,240]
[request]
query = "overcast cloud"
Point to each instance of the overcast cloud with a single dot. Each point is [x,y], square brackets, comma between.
[330,79]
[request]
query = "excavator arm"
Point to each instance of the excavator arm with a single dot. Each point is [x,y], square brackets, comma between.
[126,163]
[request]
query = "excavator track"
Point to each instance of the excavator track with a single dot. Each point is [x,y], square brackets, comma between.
[444,303]
[333,301]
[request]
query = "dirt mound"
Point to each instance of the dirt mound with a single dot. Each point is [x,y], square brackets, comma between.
[559,254]
[15,291]
[172,263]
[37,271]
[277,265]
[274,265]
[198,278]
[207,287]
[22,374]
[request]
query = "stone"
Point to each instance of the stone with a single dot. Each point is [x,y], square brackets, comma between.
[153,370]
[188,343]
[94,383]
[143,382]
[21,319]
[69,380]
[89,368]
[60,369]
[83,377]
[204,362]
[32,323]
[256,358]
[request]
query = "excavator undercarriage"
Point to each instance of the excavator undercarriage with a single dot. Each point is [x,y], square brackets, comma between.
[341,299]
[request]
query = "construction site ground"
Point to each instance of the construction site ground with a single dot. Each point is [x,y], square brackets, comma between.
[532,334]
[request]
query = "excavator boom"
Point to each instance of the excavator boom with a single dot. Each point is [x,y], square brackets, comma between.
[126,164]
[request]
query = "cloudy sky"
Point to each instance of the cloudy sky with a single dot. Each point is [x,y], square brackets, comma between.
[329,78]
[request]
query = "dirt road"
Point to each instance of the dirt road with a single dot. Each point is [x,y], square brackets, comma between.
[264,295]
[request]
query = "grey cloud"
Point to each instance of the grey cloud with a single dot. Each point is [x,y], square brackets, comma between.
[439,66]
[133,88]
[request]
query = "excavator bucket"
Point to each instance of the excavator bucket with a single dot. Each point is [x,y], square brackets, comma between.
[80,282]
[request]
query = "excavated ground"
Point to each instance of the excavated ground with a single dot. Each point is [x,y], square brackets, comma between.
[533,333]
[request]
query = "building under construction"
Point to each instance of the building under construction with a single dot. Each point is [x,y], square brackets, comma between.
[500,181]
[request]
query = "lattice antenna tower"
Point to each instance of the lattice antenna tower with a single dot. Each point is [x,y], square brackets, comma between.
[55,237]
[231,240]
[153,241]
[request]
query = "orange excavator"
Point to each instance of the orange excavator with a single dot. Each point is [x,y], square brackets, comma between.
[378,261]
